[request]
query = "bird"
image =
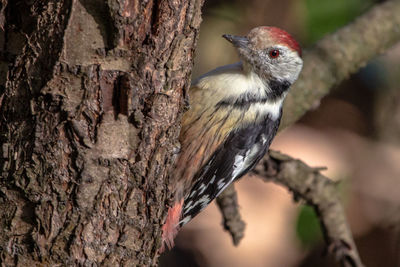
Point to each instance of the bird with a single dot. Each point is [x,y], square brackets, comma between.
[235,111]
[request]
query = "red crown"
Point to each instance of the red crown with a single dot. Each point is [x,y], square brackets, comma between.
[282,37]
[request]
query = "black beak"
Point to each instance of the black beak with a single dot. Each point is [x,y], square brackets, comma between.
[237,41]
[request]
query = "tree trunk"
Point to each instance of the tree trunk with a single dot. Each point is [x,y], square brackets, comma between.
[90,102]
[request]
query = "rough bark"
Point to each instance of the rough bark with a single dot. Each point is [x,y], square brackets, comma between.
[90,102]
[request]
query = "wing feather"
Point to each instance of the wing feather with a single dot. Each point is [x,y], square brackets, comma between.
[231,160]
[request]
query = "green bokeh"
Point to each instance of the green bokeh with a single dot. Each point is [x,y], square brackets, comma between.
[308,227]
[325,16]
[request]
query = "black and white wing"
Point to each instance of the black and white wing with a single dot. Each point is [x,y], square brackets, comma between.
[235,157]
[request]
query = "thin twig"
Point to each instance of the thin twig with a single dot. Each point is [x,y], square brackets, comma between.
[232,221]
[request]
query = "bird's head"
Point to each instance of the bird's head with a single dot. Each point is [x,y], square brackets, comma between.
[269,52]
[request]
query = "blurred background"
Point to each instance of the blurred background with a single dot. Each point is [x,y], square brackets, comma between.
[355,133]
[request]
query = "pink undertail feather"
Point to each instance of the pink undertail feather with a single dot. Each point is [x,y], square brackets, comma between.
[171,227]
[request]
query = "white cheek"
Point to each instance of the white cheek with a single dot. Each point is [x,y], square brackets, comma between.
[287,71]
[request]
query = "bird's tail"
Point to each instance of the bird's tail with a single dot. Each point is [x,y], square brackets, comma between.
[171,227]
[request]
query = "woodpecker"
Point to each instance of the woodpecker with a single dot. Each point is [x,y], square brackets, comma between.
[235,113]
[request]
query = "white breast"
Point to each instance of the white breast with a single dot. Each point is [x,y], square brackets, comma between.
[272,108]
[230,81]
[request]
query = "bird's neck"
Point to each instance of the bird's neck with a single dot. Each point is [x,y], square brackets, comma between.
[275,89]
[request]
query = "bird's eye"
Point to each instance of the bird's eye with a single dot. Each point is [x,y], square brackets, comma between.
[274,53]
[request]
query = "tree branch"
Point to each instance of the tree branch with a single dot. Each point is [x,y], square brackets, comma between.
[232,220]
[333,58]
[318,191]
[328,63]
[305,183]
